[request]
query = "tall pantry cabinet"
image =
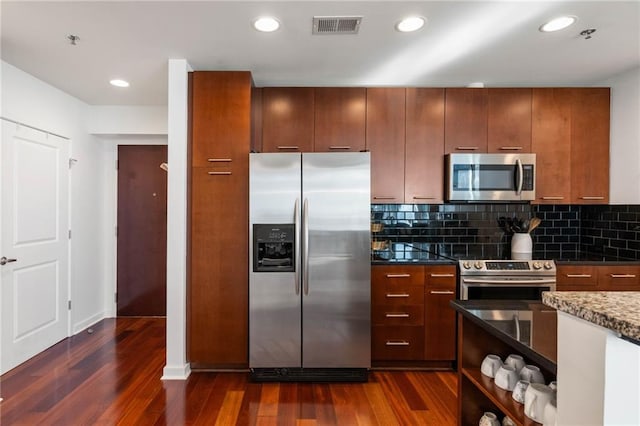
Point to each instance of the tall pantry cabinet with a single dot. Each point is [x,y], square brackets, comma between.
[220,141]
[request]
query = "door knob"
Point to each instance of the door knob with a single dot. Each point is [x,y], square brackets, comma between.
[4,260]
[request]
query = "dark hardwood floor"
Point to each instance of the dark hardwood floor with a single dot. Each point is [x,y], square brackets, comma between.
[112,376]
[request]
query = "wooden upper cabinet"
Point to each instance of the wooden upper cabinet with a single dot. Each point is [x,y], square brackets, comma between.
[424,144]
[385,139]
[220,114]
[551,142]
[340,117]
[509,120]
[590,146]
[465,120]
[287,119]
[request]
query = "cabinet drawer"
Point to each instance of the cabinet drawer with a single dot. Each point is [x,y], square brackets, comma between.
[397,275]
[397,343]
[398,315]
[576,278]
[397,294]
[619,277]
[442,276]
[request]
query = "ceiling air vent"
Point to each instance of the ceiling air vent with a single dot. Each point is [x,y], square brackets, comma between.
[336,24]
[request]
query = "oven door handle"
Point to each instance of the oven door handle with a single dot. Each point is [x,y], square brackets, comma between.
[515,282]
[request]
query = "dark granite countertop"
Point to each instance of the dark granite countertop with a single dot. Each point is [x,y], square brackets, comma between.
[497,318]
[414,262]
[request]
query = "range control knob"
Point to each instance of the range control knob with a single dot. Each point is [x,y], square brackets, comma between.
[548,265]
[537,265]
[466,265]
[478,265]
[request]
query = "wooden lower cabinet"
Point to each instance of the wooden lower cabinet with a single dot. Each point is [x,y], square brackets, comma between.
[411,316]
[598,277]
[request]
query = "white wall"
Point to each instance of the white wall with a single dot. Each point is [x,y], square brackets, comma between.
[30,101]
[625,137]
[127,120]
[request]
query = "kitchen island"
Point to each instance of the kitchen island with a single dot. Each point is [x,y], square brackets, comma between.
[598,357]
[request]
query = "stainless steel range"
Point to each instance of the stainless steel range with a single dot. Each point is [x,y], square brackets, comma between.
[506,279]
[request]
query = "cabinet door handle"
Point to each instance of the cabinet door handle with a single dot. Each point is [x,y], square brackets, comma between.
[592,197]
[510,148]
[467,148]
[442,275]
[441,292]
[578,275]
[337,147]
[398,275]
[401,315]
[287,147]
[552,198]
[623,275]
[397,343]
[219,160]
[419,197]
[383,197]
[397,295]
[218,173]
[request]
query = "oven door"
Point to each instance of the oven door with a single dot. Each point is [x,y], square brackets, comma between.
[505,288]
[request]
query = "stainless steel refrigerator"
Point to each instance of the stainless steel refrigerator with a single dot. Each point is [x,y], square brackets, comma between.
[309,273]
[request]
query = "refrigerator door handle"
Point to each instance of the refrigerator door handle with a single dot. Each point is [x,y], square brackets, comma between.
[305,246]
[296,222]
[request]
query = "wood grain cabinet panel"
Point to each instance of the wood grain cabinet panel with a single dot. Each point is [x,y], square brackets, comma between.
[509,120]
[619,278]
[397,276]
[440,317]
[424,145]
[551,142]
[385,134]
[287,119]
[340,119]
[397,343]
[590,145]
[576,278]
[465,120]
[216,124]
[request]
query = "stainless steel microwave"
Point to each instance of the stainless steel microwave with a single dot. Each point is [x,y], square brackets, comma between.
[490,177]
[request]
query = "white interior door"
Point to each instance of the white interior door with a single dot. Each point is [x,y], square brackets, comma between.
[34,223]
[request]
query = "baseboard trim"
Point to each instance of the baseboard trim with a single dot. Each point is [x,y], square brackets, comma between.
[176,373]
[88,322]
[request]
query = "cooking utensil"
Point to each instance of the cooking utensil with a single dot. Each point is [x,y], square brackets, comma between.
[533,224]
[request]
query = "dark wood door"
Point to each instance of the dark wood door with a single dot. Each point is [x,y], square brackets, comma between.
[340,119]
[385,139]
[509,120]
[287,119]
[465,120]
[142,230]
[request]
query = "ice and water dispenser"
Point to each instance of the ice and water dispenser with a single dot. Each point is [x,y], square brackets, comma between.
[273,248]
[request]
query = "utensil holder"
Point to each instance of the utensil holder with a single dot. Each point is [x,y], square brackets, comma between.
[521,246]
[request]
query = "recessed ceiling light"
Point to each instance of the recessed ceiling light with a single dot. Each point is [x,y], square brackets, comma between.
[558,24]
[266,24]
[119,83]
[412,23]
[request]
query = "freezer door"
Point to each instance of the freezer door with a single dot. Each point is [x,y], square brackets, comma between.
[274,297]
[336,317]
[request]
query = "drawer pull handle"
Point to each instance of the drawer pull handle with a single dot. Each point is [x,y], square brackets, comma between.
[398,275]
[441,292]
[383,197]
[397,315]
[510,148]
[442,275]
[467,148]
[340,147]
[218,173]
[397,343]
[623,275]
[397,295]
[419,197]
[578,275]
[287,147]
[589,197]
[219,160]
[552,198]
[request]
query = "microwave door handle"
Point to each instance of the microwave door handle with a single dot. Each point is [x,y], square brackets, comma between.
[519,178]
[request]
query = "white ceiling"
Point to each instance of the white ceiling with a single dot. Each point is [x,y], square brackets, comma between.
[497,43]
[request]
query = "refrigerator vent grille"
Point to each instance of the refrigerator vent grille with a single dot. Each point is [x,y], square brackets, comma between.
[336,24]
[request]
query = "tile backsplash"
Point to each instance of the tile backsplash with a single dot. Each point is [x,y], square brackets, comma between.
[471,231]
